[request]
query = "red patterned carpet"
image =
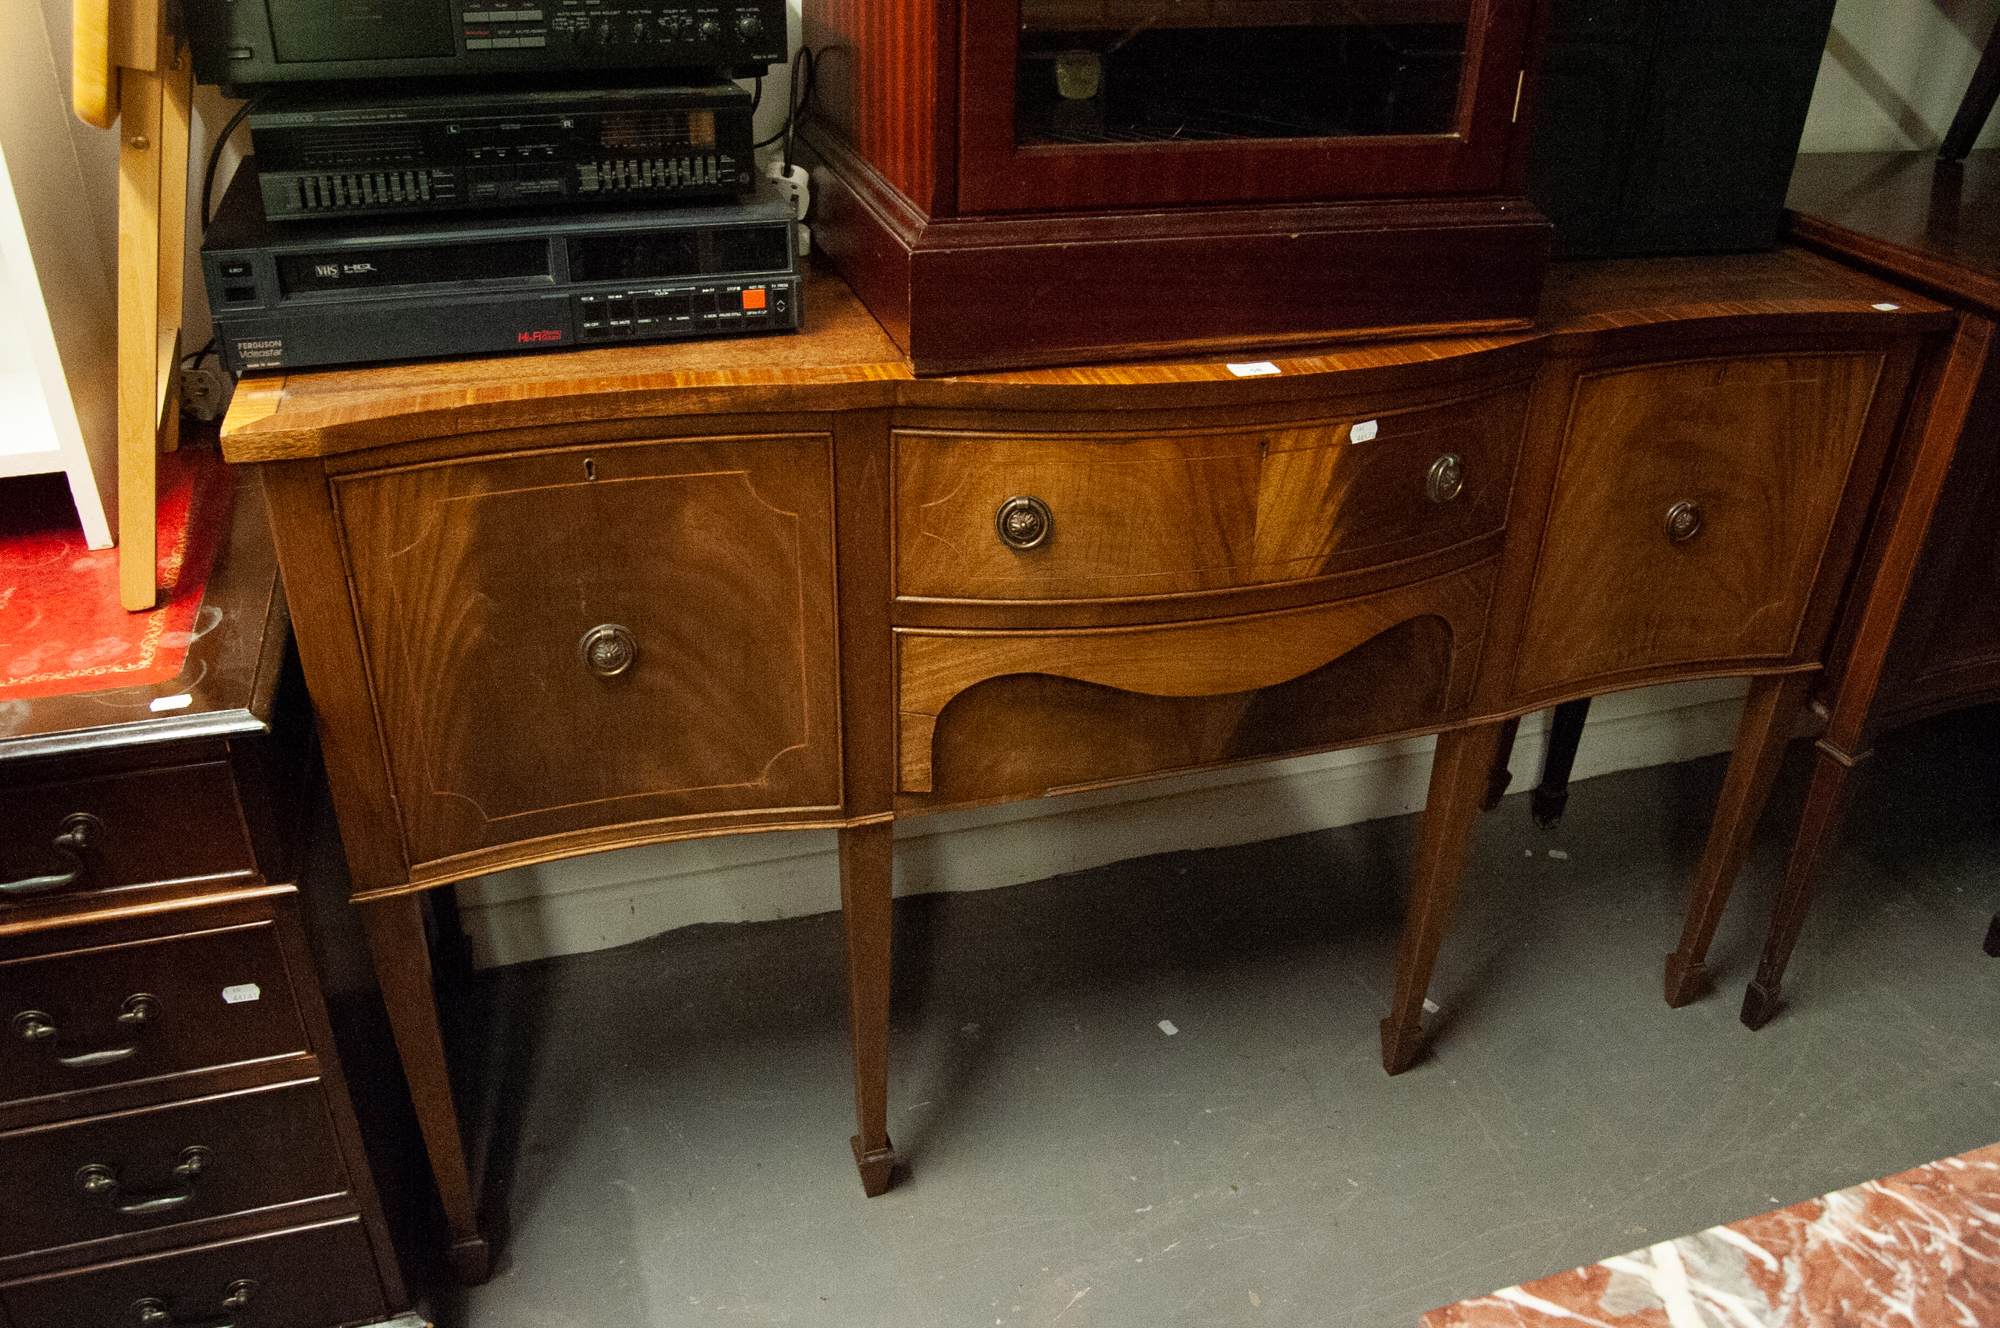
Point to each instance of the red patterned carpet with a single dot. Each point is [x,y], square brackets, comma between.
[1918,1250]
[61,626]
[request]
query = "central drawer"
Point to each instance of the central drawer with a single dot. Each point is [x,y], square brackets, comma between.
[1171,512]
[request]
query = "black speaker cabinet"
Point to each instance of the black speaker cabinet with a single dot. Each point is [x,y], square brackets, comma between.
[1670,126]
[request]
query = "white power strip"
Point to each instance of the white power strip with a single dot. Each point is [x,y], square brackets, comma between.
[796,187]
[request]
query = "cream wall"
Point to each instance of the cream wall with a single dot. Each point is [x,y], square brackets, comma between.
[1894,72]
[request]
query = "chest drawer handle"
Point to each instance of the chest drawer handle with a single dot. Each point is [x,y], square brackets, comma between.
[100,1182]
[1447,478]
[78,829]
[1023,522]
[1683,522]
[608,650]
[139,1010]
[153,1312]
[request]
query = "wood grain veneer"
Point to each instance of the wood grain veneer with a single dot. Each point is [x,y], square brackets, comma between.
[1170,512]
[477,581]
[803,528]
[1761,448]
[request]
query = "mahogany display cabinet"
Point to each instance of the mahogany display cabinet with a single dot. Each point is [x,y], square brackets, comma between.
[1065,181]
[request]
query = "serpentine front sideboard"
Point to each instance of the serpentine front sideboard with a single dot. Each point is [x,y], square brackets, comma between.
[563,603]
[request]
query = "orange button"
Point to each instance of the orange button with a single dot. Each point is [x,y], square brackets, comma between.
[754,299]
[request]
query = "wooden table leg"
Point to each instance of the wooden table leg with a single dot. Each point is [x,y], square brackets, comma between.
[1551,796]
[1459,774]
[1768,714]
[867,858]
[1825,802]
[395,930]
[1500,775]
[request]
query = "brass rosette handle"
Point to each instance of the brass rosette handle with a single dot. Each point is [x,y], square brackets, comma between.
[1446,479]
[608,650]
[1024,522]
[1682,522]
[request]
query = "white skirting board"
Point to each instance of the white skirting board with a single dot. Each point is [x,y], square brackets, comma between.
[629,894]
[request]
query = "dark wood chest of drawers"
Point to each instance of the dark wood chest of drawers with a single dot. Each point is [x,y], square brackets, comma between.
[176,1140]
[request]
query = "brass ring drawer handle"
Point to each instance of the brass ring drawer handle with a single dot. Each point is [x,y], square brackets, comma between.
[138,1011]
[1683,522]
[153,1312]
[608,650]
[1024,522]
[1446,479]
[78,829]
[100,1182]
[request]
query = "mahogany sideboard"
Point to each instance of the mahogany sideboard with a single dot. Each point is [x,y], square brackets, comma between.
[554,604]
[1921,633]
[176,1137]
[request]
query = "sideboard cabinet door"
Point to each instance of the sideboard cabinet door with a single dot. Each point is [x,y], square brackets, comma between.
[1692,504]
[577,639]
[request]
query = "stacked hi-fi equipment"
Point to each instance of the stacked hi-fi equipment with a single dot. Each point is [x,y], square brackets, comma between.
[434,178]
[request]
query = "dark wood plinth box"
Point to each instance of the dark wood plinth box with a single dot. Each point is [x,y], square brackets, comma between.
[983,238]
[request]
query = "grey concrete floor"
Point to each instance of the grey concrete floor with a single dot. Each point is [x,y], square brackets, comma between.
[662,1129]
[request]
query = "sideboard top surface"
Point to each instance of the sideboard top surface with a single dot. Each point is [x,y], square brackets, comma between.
[843,361]
[1915,218]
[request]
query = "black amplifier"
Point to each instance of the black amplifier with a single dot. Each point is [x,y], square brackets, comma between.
[249,43]
[346,292]
[445,152]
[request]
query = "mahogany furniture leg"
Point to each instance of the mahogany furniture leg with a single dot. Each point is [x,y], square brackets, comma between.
[395,929]
[866,860]
[1459,774]
[1768,713]
[1551,796]
[1500,776]
[1825,803]
[1977,105]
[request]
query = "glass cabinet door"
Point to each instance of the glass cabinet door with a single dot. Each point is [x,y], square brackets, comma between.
[1112,103]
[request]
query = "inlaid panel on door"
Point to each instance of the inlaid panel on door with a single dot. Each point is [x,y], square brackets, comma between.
[598,636]
[1691,506]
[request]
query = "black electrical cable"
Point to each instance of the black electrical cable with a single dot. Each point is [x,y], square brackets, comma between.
[215,157]
[194,361]
[805,61]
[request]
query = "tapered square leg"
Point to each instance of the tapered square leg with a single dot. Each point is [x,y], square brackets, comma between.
[867,859]
[395,930]
[1459,774]
[1768,714]
[1825,802]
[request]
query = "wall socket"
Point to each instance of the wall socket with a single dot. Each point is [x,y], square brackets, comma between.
[205,391]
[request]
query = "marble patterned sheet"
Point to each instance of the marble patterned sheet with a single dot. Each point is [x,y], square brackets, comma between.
[1918,1250]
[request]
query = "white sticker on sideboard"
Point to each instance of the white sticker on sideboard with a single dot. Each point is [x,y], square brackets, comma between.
[1256,370]
[1364,431]
[243,991]
[180,702]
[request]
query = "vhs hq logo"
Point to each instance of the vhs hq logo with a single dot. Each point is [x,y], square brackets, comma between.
[548,334]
